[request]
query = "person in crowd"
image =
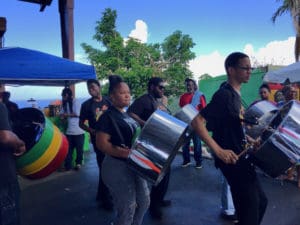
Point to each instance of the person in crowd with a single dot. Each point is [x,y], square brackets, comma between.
[10,147]
[224,119]
[91,110]
[197,99]
[75,135]
[115,131]
[264,92]
[278,97]
[289,92]
[12,107]
[140,110]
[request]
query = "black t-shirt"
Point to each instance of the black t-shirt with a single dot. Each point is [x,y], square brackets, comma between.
[223,116]
[128,127]
[143,106]
[92,110]
[8,172]
[12,109]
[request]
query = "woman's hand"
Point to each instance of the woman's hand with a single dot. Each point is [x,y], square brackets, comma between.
[124,151]
[20,148]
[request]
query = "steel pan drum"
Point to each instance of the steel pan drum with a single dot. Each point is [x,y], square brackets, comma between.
[156,146]
[280,147]
[46,146]
[187,114]
[258,116]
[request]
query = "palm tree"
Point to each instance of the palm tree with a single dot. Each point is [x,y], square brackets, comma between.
[292,6]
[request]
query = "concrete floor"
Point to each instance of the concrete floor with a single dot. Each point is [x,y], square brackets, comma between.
[68,198]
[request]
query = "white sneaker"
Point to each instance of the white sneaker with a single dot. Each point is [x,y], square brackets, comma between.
[206,154]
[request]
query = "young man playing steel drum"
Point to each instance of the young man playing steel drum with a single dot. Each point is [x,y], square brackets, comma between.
[223,117]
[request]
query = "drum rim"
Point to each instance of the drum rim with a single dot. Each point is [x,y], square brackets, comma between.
[39,148]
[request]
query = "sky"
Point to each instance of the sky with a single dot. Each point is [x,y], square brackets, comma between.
[216,27]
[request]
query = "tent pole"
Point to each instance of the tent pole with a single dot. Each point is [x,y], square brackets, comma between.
[66,8]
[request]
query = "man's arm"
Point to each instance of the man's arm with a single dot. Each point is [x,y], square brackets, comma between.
[227,156]
[137,118]
[11,140]
[83,126]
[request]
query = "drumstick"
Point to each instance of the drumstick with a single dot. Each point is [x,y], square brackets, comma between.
[243,153]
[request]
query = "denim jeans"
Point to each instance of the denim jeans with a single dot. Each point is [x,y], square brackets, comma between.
[227,206]
[129,191]
[10,204]
[197,149]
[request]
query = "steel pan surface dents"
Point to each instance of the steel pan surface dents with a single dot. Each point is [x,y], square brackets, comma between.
[258,116]
[156,146]
[280,147]
[187,114]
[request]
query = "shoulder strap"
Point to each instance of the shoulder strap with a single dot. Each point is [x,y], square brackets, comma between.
[196,98]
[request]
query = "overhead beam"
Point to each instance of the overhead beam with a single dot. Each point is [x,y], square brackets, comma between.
[42,3]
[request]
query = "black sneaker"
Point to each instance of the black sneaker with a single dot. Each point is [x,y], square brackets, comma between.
[77,167]
[155,213]
[231,217]
[185,164]
[198,165]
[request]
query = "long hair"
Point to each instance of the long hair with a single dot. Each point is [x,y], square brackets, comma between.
[67,92]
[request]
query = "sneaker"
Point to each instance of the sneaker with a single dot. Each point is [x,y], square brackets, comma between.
[77,167]
[232,217]
[198,165]
[185,164]
[155,213]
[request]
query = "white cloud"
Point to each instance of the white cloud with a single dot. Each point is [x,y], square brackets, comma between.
[211,64]
[275,53]
[140,31]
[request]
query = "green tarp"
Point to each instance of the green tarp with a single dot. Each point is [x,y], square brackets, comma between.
[249,90]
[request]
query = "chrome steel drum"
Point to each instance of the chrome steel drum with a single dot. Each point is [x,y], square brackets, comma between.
[258,116]
[280,147]
[187,114]
[156,146]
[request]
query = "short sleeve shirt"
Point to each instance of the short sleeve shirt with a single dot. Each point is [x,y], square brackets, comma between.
[92,110]
[223,116]
[73,122]
[143,106]
[7,160]
[127,127]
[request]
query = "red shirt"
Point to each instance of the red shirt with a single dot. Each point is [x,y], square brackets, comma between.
[187,97]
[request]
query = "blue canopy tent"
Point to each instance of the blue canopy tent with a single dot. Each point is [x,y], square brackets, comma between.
[20,66]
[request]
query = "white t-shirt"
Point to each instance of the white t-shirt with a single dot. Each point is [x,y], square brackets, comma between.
[73,122]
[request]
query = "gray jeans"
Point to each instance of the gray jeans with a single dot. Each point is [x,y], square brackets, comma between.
[129,191]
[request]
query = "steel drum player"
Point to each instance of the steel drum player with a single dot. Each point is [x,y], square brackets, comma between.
[222,116]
